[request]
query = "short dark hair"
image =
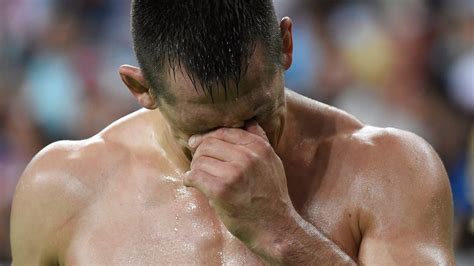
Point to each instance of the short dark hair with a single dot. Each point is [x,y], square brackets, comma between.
[212,39]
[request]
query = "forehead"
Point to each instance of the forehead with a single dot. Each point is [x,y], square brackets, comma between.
[181,89]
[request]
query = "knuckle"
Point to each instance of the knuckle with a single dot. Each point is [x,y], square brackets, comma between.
[206,146]
[249,159]
[235,175]
[221,132]
[196,174]
[246,137]
[265,150]
[232,180]
[267,145]
[189,177]
[198,163]
[221,191]
[243,134]
[208,142]
[224,133]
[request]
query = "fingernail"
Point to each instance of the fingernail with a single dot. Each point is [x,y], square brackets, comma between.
[185,179]
[192,141]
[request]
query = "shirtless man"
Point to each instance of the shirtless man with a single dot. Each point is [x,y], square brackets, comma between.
[226,166]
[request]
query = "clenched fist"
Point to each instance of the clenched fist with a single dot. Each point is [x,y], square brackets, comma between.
[243,178]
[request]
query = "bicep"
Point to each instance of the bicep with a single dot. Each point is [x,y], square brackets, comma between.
[34,218]
[28,236]
[47,196]
[404,251]
[420,236]
[411,221]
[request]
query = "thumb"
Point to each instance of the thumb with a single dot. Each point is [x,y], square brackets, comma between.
[253,127]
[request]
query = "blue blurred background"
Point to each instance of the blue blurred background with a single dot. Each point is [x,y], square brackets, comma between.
[399,63]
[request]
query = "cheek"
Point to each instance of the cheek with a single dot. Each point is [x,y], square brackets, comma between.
[273,121]
[175,117]
[270,123]
[193,123]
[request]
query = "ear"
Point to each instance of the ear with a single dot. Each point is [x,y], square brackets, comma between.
[134,80]
[286,28]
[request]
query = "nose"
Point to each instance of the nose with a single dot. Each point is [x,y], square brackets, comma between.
[235,124]
[237,118]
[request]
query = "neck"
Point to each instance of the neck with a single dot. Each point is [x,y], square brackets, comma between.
[178,144]
[174,146]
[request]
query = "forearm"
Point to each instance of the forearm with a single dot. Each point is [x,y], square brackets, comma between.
[299,243]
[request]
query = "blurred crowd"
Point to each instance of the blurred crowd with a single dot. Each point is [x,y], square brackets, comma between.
[405,64]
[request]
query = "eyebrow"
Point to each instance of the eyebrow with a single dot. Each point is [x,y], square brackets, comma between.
[205,98]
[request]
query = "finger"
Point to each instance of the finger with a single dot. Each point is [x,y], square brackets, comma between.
[232,135]
[218,149]
[199,179]
[212,166]
[208,184]
[253,127]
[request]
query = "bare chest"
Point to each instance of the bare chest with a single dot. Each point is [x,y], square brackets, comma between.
[134,221]
[178,227]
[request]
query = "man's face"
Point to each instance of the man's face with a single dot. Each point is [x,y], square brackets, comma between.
[260,97]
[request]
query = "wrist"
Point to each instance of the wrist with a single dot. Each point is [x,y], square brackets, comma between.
[277,238]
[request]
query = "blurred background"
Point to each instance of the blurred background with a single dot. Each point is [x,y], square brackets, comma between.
[400,63]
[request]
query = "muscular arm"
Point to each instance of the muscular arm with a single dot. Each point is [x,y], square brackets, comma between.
[43,202]
[31,232]
[246,185]
[405,212]
[300,243]
[408,218]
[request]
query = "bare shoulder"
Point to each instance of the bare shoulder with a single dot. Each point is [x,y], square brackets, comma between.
[392,182]
[63,165]
[393,152]
[50,192]
[74,169]
[58,184]
[404,197]
[374,154]
[397,162]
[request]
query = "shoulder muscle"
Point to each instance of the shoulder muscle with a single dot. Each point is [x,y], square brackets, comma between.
[408,207]
[47,195]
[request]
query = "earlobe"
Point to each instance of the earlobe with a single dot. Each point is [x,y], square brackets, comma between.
[147,100]
[133,78]
[286,27]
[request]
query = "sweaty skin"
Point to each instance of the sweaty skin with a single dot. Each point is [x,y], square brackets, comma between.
[268,178]
[379,195]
